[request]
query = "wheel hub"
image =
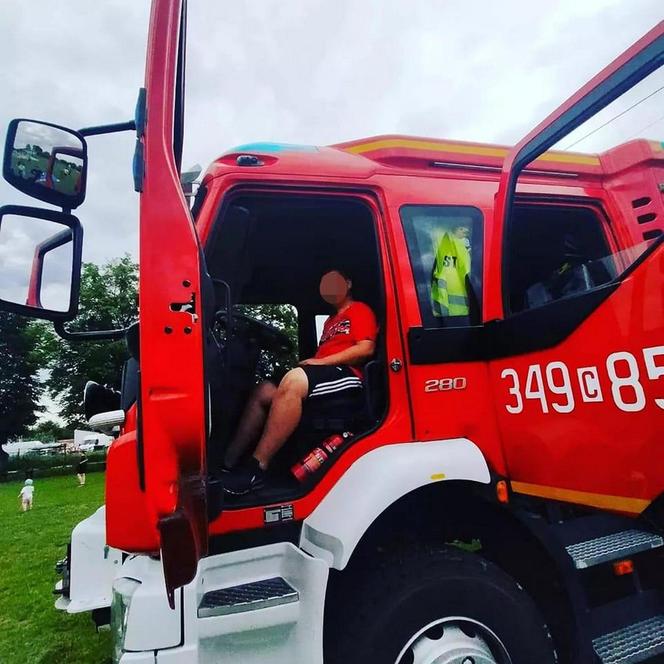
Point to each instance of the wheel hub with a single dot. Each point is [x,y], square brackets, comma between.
[454,641]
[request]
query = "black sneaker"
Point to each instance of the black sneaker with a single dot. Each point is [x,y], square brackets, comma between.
[247,476]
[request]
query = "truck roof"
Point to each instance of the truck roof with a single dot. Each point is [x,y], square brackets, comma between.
[366,156]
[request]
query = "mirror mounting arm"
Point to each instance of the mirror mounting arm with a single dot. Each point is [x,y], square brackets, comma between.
[97,130]
[92,335]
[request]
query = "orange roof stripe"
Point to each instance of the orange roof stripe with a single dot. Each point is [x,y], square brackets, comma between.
[464,148]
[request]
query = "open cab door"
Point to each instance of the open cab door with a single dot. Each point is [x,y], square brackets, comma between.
[626,71]
[573,297]
[172,427]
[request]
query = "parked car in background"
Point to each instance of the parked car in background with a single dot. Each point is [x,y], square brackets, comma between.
[21,447]
[88,441]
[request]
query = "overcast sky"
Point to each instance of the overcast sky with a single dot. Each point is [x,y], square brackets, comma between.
[309,71]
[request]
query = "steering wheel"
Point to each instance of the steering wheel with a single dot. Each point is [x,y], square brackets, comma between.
[267,336]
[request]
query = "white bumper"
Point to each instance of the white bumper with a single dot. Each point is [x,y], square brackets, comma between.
[92,567]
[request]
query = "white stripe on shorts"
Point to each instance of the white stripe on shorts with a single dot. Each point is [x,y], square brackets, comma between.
[337,381]
[343,388]
[336,386]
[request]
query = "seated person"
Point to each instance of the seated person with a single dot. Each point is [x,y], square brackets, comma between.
[273,413]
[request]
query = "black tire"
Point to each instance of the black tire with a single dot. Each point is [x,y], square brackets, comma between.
[373,612]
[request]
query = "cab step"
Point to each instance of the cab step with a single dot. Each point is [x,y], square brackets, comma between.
[632,644]
[612,547]
[247,597]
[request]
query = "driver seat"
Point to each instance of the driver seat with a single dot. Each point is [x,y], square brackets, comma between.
[321,418]
[334,414]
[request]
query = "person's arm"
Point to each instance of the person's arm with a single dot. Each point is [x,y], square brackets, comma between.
[357,354]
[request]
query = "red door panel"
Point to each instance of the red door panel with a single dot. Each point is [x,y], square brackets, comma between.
[171,434]
[587,415]
[451,398]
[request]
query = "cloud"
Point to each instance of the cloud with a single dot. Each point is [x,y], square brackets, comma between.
[307,72]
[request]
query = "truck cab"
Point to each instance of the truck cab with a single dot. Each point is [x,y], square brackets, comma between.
[497,496]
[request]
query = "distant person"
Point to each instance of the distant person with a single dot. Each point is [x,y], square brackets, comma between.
[26,494]
[81,467]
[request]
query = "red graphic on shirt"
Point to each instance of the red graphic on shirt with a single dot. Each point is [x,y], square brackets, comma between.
[341,327]
[344,330]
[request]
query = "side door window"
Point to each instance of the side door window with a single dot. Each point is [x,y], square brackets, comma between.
[445,249]
[555,252]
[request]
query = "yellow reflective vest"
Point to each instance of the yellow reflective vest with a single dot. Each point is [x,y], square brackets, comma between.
[449,295]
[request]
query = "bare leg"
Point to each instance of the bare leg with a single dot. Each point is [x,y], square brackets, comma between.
[285,414]
[251,424]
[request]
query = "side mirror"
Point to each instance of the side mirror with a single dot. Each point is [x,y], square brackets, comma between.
[40,262]
[47,162]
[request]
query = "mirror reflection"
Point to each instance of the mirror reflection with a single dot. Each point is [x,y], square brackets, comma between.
[36,256]
[48,157]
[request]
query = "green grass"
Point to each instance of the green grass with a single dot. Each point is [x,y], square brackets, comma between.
[32,631]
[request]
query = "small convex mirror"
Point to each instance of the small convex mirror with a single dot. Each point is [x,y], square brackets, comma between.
[40,262]
[46,162]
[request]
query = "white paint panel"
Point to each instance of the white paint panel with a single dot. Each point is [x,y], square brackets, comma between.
[151,623]
[378,479]
[93,566]
[279,635]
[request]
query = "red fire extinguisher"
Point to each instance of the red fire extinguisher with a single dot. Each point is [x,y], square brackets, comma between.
[306,467]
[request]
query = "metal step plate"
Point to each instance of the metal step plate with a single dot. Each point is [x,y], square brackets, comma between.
[612,547]
[247,597]
[636,643]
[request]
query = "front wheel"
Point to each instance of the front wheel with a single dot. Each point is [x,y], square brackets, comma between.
[437,607]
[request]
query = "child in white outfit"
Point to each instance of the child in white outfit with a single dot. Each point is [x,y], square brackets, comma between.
[26,495]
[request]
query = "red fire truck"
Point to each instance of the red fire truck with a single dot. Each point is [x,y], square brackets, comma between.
[501,498]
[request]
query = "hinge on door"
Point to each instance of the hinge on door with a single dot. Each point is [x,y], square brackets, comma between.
[138,165]
[139,113]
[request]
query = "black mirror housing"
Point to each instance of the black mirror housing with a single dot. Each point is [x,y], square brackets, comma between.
[46,161]
[32,238]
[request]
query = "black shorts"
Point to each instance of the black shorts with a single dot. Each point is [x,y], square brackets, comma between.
[335,381]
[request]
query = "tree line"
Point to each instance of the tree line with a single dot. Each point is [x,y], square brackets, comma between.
[36,363]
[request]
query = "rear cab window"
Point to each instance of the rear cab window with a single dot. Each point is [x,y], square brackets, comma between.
[445,246]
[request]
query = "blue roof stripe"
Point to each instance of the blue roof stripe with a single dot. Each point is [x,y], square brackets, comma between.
[272,147]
